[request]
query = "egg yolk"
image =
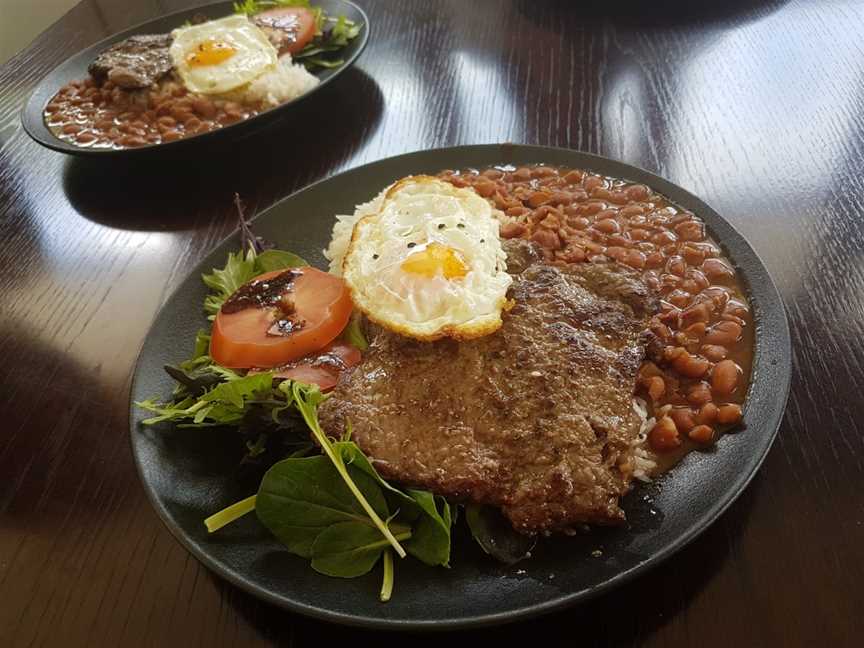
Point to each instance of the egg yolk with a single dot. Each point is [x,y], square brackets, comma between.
[210,52]
[436,259]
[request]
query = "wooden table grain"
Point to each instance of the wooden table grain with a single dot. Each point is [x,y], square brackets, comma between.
[754,106]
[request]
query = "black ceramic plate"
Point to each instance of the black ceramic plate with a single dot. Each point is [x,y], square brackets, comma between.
[190,474]
[75,68]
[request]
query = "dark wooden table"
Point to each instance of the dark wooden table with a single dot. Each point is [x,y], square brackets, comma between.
[755,106]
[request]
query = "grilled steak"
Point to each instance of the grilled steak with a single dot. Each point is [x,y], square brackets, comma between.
[137,62]
[536,419]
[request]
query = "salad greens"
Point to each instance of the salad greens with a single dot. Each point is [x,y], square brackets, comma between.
[331,34]
[331,508]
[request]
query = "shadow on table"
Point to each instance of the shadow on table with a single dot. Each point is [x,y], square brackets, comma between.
[169,192]
[627,616]
[664,13]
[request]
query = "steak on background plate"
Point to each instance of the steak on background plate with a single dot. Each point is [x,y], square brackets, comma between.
[536,419]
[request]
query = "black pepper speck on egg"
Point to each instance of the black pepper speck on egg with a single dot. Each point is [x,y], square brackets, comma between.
[411,244]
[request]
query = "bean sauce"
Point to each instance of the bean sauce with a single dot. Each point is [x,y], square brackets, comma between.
[698,361]
[91,115]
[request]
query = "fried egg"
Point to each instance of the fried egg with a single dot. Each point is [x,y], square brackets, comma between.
[428,262]
[221,55]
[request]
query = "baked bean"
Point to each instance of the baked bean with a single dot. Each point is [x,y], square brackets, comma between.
[517,211]
[546,239]
[191,124]
[171,135]
[578,223]
[573,177]
[85,138]
[713,352]
[690,231]
[717,295]
[133,140]
[637,192]
[693,256]
[661,330]
[699,394]
[631,210]
[696,330]
[679,297]
[724,377]
[664,435]
[703,434]
[167,121]
[592,182]
[683,418]
[729,414]
[723,333]
[707,414]
[654,260]
[664,237]
[656,388]
[512,230]
[541,171]
[676,265]
[617,252]
[618,197]
[697,313]
[717,270]
[618,240]
[592,208]
[203,107]
[607,226]
[639,234]
[573,254]
[521,174]
[736,308]
[691,366]
[635,259]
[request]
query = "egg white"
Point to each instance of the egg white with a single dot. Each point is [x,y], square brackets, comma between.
[415,213]
[254,54]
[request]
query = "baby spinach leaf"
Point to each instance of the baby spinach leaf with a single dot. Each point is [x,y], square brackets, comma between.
[430,539]
[496,536]
[306,400]
[301,497]
[349,549]
[270,260]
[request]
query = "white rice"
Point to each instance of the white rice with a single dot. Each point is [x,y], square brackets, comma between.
[284,82]
[342,229]
[644,464]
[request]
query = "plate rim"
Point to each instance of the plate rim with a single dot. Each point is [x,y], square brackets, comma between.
[33,127]
[557,603]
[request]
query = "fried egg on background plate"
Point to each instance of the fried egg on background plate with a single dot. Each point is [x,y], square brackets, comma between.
[221,55]
[425,260]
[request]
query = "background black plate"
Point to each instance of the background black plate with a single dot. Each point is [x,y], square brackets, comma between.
[190,474]
[75,68]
